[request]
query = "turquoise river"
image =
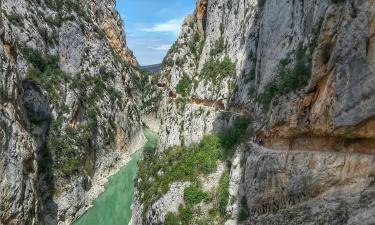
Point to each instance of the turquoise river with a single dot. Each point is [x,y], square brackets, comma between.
[112,207]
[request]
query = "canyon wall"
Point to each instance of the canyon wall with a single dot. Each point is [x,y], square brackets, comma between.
[69,107]
[302,72]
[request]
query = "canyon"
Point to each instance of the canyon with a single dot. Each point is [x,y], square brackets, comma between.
[264,111]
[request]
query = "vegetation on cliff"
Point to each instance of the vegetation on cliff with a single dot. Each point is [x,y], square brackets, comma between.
[184,86]
[67,147]
[292,78]
[157,171]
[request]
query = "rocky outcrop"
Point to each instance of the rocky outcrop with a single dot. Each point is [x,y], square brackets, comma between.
[337,104]
[284,187]
[69,112]
[168,203]
[109,19]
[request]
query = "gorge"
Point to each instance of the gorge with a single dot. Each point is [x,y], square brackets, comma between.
[264,112]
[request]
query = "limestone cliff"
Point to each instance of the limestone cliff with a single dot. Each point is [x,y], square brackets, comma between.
[302,71]
[69,107]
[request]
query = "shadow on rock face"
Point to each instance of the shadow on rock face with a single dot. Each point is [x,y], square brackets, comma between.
[35,103]
[39,114]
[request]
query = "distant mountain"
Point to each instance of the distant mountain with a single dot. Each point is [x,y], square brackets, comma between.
[152,68]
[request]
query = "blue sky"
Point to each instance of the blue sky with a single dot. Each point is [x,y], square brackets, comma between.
[153,25]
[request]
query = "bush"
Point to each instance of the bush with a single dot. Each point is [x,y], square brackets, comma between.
[54,20]
[67,145]
[234,135]
[219,47]
[223,193]
[185,215]
[46,73]
[194,194]
[54,4]
[73,6]
[215,71]
[179,61]
[16,19]
[184,86]
[290,79]
[151,102]
[196,45]
[294,78]
[170,219]
[244,210]
[184,164]
[178,164]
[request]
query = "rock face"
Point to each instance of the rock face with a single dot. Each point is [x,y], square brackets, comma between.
[69,116]
[336,105]
[302,70]
[284,187]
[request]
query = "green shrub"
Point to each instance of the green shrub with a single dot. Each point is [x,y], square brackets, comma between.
[54,20]
[185,164]
[46,73]
[178,164]
[2,206]
[244,210]
[151,102]
[16,19]
[170,219]
[215,71]
[54,4]
[184,86]
[196,45]
[219,47]
[185,215]
[223,193]
[234,135]
[194,194]
[34,57]
[168,61]
[91,89]
[179,62]
[66,147]
[73,6]
[290,79]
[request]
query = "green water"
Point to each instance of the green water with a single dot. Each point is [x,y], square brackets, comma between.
[112,207]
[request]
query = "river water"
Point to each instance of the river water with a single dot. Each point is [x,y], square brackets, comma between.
[112,207]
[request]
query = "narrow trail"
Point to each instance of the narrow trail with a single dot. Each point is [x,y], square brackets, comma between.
[265,149]
[240,110]
[218,105]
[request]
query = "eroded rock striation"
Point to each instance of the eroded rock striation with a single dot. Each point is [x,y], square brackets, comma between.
[69,107]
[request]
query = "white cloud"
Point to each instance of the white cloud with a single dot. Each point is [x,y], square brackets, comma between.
[149,49]
[161,47]
[171,26]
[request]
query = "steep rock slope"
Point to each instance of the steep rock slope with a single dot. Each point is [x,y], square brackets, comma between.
[302,71]
[69,115]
